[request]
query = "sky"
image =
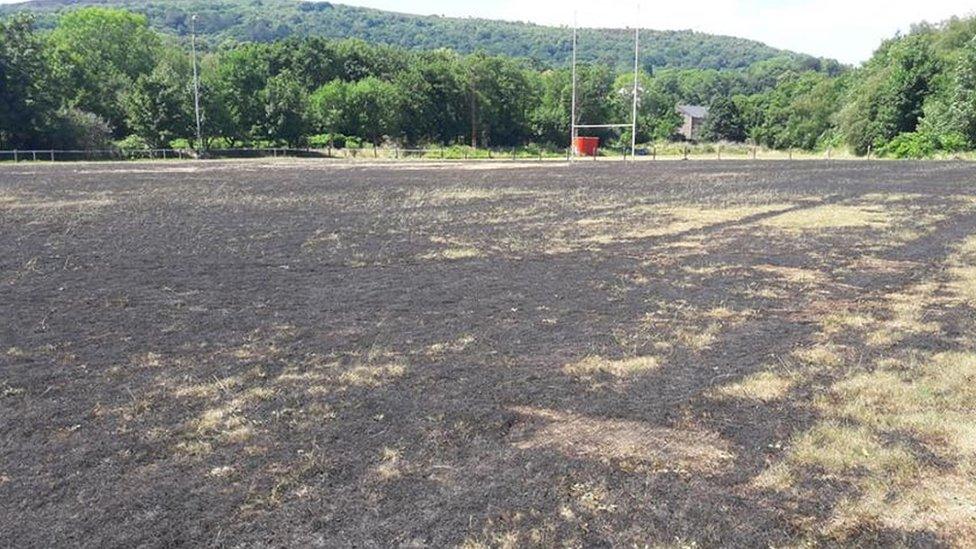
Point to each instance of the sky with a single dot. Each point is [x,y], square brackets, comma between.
[846,30]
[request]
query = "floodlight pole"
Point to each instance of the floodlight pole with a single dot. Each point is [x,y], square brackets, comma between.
[196,80]
[572,115]
[633,130]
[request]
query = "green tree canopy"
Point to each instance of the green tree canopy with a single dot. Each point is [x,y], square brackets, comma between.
[97,54]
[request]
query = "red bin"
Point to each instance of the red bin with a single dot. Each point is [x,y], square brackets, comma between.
[586,146]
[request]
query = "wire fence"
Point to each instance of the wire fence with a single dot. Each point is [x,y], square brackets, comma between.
[664,152]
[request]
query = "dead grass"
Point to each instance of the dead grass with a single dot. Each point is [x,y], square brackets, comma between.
[905,316]
[820,356]
[621,368]
[607,440]
[453,254]
[697,339]
[14,203]
[372,375]
[762,387]
[451,249]
[963,271]
[794,275]
[832,216]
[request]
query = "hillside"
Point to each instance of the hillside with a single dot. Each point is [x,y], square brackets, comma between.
[221,21]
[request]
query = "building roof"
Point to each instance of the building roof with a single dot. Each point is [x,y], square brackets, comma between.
[694,111]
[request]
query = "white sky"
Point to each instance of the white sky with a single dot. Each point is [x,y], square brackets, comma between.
[847,30]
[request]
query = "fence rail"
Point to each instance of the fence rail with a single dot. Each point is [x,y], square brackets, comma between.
[666,152]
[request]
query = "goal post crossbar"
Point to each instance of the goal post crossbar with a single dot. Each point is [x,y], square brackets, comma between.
[596,126]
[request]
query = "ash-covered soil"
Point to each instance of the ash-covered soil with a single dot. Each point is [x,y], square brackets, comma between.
[300,353]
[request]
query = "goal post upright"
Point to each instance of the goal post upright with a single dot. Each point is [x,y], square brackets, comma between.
[633,130]
[572,115]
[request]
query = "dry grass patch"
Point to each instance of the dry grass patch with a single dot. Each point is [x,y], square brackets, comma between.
[906,311]
[932,398]
[209,390]
[821,356]
[880,427]
[698,339]
[794,275]
[452,250]
[963,272]
[762,387]
[372,375]
[453,254]
[610,440]
[390,466]
[833,216]
[56,204]
[844,321]
[838,448]
[455,346]
[621,368]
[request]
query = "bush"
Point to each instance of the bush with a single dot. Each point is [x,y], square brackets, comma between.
[132,142]
[77,129]
[922,145]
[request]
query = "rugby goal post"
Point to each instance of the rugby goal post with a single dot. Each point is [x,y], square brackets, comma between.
[574,122]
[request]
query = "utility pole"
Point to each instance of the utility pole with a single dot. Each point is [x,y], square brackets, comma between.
[196,80]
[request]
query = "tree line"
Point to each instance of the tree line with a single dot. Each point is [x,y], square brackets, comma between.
[265,21]
[101,77]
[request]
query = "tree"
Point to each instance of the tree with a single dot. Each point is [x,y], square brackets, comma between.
[549,117]
[285,110]
[434,98]
[159,107]
[97,54]
[375,107]
[26,103]
[500,100]
[724,122]
[329,109]
[889,94]
[950,112]
[798,113]
[240,79]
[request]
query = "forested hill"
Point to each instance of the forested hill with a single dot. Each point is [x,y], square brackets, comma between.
[222,21]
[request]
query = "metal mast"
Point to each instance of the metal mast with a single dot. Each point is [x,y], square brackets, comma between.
[196,80]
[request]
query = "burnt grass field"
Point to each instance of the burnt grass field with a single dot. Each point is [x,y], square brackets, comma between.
[666,354]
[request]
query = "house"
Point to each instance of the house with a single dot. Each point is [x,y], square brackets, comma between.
[694,118]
